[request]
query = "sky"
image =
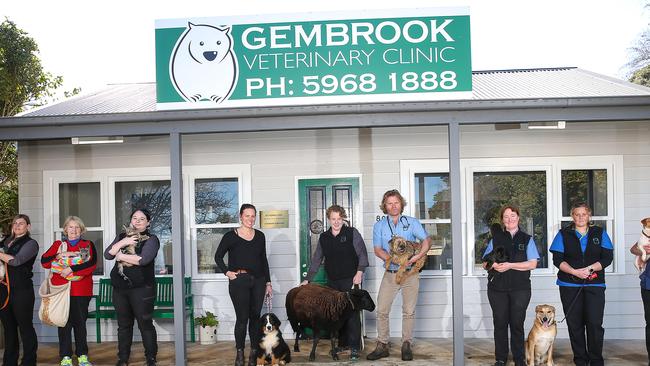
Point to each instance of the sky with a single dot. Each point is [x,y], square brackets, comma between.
[92,44]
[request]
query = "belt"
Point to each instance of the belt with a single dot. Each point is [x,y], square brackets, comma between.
[238,271]
[392,270]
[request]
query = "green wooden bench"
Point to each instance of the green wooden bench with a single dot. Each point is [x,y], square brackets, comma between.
[163,304]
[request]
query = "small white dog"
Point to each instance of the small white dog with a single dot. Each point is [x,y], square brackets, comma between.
[640,260]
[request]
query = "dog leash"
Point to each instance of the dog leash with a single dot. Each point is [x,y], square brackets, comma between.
[267,301]
[566,313]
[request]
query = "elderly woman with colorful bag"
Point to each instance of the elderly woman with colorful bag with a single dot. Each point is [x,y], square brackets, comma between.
[73,260]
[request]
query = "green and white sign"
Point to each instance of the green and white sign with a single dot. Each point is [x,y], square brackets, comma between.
[319,58]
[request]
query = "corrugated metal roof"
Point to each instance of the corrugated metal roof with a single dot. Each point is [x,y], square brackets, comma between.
[547,83]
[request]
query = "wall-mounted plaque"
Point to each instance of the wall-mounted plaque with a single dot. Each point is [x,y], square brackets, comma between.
[274,219]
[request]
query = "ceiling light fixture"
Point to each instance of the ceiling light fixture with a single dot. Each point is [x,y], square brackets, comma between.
[559,125]
[97,140]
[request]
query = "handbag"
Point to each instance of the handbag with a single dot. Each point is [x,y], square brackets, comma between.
[55,300]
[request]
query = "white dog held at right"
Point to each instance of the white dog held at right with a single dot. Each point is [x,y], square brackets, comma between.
[640,260]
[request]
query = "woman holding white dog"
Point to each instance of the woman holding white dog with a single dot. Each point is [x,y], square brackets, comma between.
[509,284]
[346,258]
[19,252]
[80,276]
[582,252]
[645,288]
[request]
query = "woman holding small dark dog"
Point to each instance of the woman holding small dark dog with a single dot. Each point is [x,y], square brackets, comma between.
[249,279]
[344,252]
[19,254]
[80,276]
[509,283]
[582,252]
[134,290]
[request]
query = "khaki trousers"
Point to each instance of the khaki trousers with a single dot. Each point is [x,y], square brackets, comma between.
[387,292]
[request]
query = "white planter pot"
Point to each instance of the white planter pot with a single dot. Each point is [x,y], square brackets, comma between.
[207,335]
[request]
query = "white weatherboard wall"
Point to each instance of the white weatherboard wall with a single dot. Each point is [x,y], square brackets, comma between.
[276,158]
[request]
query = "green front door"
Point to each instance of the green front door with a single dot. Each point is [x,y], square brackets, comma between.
[314,197]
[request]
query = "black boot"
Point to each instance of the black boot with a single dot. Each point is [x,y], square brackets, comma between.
[239,359]
[151,362]
[252,358]
[407,354]
[381,351]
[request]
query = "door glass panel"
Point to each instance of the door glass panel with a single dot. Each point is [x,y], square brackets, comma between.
[343,198]
[316,216]
[207,241]
[588,186]
[82,200]
[525,190]
[156,197]
[216,200]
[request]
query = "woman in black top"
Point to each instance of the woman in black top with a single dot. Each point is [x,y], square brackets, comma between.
[19,252]
[249,279]
[134,289]
[346,258]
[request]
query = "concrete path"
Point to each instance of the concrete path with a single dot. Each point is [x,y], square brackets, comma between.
[426,351]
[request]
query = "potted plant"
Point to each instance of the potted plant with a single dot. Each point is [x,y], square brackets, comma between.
[207,328]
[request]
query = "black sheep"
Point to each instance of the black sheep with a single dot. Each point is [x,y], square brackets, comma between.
[322,308]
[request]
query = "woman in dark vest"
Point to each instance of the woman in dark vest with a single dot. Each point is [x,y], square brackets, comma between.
[509,284]
[19,252]
[582,252]
[249,279]
[134,289]
[346,258]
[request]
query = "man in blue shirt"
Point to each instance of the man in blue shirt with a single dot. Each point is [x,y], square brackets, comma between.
[409,228]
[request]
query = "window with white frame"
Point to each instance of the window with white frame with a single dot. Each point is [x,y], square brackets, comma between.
[215,201]
[544,194]
[84,201]
[104,198]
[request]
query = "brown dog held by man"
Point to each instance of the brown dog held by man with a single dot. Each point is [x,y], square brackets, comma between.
[539,345]
[401,250]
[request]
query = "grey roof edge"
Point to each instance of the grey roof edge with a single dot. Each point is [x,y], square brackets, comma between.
[338,109]
[616,81]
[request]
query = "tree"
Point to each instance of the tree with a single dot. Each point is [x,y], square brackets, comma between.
[639,64]
[22,81]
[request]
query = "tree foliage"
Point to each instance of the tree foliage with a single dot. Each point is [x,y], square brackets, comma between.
[639,64]
[22,81]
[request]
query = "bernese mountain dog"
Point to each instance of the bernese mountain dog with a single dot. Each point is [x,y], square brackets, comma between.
[273,350]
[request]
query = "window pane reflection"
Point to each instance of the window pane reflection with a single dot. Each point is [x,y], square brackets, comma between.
[216,200]
[588,186]
[156,197]
[207,242]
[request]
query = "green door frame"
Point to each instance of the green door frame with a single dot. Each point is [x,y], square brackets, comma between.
[326,187]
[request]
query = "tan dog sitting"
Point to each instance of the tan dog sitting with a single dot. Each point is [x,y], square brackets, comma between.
[539,345]
[640,260]
[401,250]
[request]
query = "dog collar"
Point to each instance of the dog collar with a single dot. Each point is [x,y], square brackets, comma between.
[347,293]
[644,234]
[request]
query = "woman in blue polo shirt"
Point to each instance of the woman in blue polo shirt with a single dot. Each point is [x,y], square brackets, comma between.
[582,252]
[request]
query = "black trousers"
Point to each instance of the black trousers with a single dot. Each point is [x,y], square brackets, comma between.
[247,295]
[350,333]
[18,317]
[645,296]
[586,315]
[509,310]
[77,322]
[135,304]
